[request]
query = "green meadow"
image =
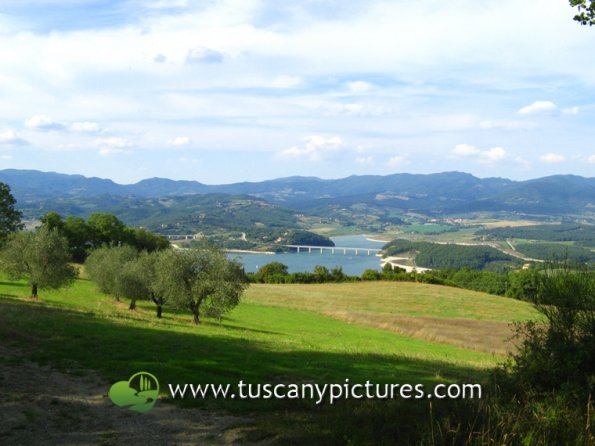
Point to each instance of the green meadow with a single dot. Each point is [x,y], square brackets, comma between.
[278,334]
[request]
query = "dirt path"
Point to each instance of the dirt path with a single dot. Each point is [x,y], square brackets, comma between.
[43,406]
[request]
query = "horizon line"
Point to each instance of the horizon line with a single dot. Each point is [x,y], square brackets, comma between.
[295,176]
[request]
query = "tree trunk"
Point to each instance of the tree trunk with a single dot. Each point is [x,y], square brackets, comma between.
[34,291]
[158,303]
[195,319]
[132,305]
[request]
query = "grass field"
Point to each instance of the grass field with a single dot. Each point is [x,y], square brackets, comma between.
[468,319]
[279,333]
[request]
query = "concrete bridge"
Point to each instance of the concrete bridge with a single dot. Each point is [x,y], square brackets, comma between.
[333,249]
[181,236]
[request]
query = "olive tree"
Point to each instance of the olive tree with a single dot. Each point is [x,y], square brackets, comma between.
[105,265]
[199,279]
[41,257]
[136,281]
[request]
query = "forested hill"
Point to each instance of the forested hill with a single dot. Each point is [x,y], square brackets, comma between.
[440,193]
[179,215]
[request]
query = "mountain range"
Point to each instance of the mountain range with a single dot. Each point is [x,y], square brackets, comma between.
[439,194]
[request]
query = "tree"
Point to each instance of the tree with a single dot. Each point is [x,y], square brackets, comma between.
[53,220]
[560,352]
[321,274]
[145,240]
[136,278]
[146,265]
[10,218]
[337,274]
[41,257]
[106,229]
[101,229]
[79,237]
[524,284]
[371,274]
[586,11]
[105,265]
[270,271]
[200,279]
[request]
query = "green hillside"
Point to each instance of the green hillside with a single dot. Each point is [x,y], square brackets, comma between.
[278,334]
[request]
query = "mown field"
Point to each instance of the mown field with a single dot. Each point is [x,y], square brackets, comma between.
[383,332]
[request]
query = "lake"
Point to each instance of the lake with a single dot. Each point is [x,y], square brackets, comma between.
[353,265]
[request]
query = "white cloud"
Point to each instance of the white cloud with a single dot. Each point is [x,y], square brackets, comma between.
[507,125]
[179,141]
[10,137]
[522,162]
[69,147]
[108,151]
[43,122]
[484,156]
[114,145]
[465,150]
[552,158]
[364,160]
[397,160]
[538,107]
[346,109]
[117,142]
[204,55]
[359,86]
[591,159]
[316,148]
[167,4]
[494,154]
[84,127]
[570,110]
[286,82]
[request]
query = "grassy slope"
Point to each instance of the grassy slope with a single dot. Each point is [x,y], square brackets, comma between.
[460,318]
[260,341]
[82,324]
[415,299]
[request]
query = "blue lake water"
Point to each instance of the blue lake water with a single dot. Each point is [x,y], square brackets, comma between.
[352,264]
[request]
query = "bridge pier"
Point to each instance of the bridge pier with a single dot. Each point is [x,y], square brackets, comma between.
[333,249]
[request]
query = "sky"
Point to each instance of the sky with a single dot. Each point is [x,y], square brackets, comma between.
[222,91]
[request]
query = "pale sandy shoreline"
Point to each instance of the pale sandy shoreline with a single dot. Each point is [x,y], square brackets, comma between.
[395,262]
[247,251]
[376,240]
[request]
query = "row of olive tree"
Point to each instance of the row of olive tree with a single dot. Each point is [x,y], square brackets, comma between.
[202,280]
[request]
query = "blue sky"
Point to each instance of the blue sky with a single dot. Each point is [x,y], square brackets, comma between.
[222,91]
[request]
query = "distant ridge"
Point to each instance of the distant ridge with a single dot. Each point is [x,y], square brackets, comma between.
[445,193]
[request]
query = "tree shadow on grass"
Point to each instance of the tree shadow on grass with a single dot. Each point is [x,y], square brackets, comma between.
[15,284]
[227,326]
